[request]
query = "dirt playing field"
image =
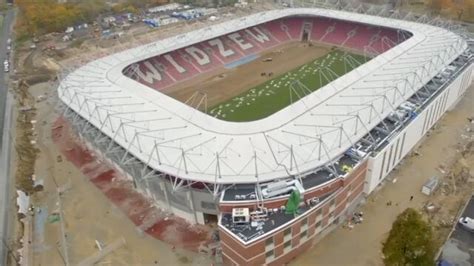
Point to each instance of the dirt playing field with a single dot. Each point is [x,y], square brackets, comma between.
[237,80]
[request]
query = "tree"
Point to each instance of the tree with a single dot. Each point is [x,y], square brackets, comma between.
[410,241]
[436,6]
[469,14]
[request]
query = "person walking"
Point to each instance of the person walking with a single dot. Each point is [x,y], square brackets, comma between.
[411,198]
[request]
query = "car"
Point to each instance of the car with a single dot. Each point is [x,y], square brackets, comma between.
[6,68]
[467,223]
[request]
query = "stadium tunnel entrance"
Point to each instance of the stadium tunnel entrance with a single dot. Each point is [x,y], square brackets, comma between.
[210,219]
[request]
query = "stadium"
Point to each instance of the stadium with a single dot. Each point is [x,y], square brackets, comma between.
[276,125]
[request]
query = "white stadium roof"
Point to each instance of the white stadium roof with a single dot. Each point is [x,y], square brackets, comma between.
[173,138]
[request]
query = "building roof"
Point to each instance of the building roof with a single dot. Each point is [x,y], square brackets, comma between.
[174,138]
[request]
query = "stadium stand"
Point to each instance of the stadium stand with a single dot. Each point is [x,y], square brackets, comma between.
[361,38]
[165,70]
[276,29]
[294,26]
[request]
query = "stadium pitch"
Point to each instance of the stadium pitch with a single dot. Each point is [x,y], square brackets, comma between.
[261,87]
[279,92]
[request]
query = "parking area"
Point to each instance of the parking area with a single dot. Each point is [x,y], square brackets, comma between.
[459,248]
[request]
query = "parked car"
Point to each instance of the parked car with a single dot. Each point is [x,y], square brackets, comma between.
[467,223]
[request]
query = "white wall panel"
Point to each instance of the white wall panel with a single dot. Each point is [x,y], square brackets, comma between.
[383,162]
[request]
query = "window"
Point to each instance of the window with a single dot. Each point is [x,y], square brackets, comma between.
[438,108]
[331,217]
[396,152]
[319,214]
[389,159]
[427,113]
[269,244]
[269,255]
[445,100]
[304,235]
[287,234]
[318,224]
[269,241]
[318,227]
[287,246]
[304,224]
[401,146]
[332,205]
[383,163]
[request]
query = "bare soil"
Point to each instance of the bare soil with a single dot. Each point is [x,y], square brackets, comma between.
[90,205]
[223,84]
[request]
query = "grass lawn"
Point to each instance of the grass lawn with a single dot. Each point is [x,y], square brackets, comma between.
[281,91]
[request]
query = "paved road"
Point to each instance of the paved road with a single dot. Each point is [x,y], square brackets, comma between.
[5,147]
[5,182]
[5,34]
[459,248]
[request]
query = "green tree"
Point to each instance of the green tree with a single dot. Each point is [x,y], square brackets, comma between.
[410,241]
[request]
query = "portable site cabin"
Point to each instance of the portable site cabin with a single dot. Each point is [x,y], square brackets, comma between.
[430,186]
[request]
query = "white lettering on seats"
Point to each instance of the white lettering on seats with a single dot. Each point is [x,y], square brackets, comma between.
[151,75]
[199,55]
[259,35]
[238,40]
[220,46]
[170,59]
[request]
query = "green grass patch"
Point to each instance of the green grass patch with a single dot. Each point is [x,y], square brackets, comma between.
[281,91]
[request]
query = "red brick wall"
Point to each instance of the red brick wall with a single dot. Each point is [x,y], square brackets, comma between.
[293,253]
[245,251]
[227,261]
[254,254]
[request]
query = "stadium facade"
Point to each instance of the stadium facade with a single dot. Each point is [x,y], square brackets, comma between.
[331,148]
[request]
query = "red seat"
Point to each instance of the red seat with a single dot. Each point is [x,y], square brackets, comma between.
[295,28]
[168,69]
[275,28]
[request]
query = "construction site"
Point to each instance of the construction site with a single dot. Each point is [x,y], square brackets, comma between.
[75,207]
